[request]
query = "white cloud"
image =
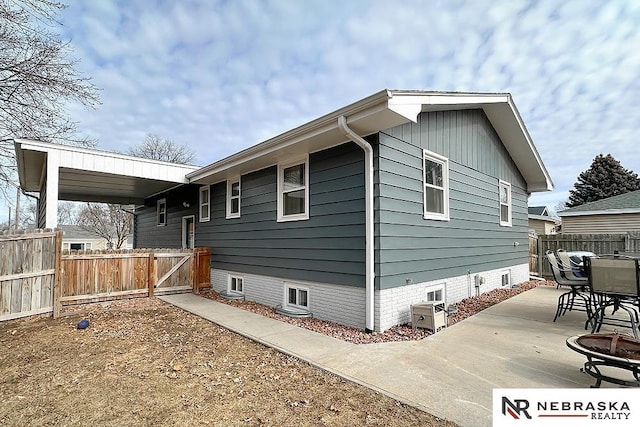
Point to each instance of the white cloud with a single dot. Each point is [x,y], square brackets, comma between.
[221,76]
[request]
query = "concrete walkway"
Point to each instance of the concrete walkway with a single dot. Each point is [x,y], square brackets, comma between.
[451,374]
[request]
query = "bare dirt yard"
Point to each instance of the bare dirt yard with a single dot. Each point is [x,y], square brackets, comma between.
[143,362]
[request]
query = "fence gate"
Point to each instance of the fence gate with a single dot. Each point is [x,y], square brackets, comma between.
[173,272]
[36,277]
[90,276]
[28,266]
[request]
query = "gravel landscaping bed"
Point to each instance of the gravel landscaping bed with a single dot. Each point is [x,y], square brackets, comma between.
[465,308]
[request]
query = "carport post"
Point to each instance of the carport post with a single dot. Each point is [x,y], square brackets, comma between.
[52,180]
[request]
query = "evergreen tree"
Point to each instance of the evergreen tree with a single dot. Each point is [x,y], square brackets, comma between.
[605,177]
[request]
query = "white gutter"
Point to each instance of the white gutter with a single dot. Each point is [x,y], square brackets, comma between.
[369,229]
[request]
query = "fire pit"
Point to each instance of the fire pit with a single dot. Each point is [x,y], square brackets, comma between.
[608,350]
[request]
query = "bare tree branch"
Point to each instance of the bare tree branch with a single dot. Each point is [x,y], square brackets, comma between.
[156,148]
[110,222]
[67,213]
[37,79]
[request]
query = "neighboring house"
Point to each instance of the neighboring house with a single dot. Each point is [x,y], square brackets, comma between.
[399,198]
[617,214]
[540,221]
[76,238]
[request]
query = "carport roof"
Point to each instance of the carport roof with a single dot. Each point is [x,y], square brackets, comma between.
[96,176]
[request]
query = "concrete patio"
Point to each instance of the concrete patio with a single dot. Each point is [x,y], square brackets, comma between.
[514,344]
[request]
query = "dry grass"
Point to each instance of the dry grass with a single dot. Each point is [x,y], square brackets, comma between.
[143,362]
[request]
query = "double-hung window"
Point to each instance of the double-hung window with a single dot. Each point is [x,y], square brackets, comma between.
[293,191]
[504,189]
[233,198]
[161,212]
[436,186]
[205,203]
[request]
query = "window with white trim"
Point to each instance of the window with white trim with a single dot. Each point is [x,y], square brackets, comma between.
[435,294]
[236,284]
[161,212]
[76,246]
[233,198]
[436,186]
[293,191]
[205,203]
[504,189]
[296,296]
[506,278]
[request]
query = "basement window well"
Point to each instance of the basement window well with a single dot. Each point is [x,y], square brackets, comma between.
[296,301]
[236,284]
[235,288]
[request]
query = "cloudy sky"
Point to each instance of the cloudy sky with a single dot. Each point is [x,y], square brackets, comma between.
[220,76]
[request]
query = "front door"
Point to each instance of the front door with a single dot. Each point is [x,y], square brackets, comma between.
[188,231]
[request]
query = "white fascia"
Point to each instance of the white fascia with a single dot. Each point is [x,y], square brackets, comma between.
[410,104]
[322,125]
[601,212]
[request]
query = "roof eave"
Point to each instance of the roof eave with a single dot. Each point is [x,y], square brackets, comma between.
[541,218]
[599,212]
[504,117]
[385,109]
[356,113]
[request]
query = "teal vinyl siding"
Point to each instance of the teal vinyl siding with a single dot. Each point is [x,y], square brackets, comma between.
[409,246]
[149,235]
[328,247]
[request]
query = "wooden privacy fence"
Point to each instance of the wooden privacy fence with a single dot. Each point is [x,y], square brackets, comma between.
[596,243]
[36,277]
[89,276]
[534,255]
[28,271]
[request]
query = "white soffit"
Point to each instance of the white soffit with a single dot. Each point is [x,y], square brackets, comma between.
[365,117]
[503,116]
[384,110]
[92,175]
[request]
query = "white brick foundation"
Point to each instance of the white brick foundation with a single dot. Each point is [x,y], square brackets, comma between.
[346,304]
[336,303]
[393,306]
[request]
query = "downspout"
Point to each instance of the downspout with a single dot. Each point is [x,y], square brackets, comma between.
[369,228]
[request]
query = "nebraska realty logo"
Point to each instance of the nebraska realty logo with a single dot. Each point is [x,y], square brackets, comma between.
[572,407]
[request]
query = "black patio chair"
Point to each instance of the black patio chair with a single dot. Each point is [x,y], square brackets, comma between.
[615,283]
[570,268]
[577,298]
